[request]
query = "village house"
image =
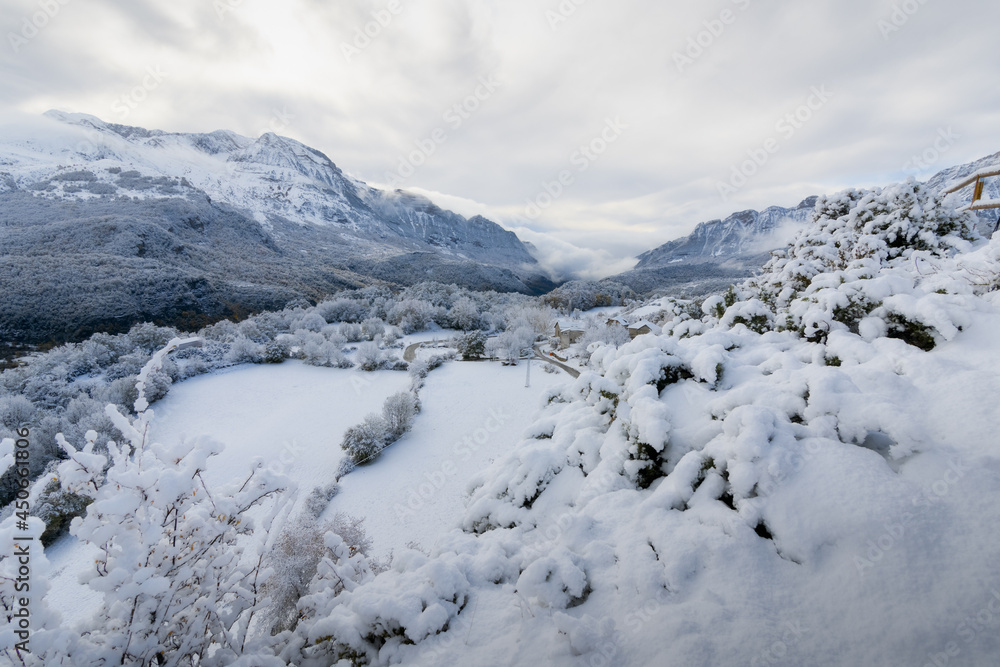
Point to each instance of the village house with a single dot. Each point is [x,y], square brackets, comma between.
[642,327]
[568,332]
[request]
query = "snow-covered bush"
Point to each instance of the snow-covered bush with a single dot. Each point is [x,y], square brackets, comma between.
[316,349]
[16,411]
[352,333]
[319,499]
[398,412]
[57,508]
[276,351]
[364,441]
[293,559]
[372,328]
[858,254]
[370,357]
[412,315]
[245,351]
[177,588]
[342,310]
[464,315]
[471,345]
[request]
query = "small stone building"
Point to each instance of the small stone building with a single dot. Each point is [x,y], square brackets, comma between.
[642,327]
[568,332]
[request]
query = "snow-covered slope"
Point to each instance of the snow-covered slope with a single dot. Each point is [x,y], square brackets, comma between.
[270,177]
[720,252]
[805,476]
[104,225]
[746,235]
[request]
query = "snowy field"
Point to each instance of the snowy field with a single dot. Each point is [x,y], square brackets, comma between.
[416,490]
[293,416]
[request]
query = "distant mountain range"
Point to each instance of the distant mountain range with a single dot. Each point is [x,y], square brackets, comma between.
[104,225]
[720,252]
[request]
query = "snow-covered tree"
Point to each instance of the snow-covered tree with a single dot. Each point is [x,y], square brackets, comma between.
[180,562]
[364,441]
[464,315]
[398,412]
[471,345]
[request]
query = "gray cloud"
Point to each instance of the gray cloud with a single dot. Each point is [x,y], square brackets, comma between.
[563,76]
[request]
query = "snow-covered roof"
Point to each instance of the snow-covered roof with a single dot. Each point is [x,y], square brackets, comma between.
[645,323]
[570,325]
[619,319]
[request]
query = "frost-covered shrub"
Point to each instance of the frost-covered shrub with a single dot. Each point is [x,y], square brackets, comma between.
[244,351]
[57,508]
[398,413]
[317,350]
[319,499]
[392,337]
[471,345]
[412,315]
[16,411]
[372,328]
[128,365]
[278,350]
[292,560]
[342,310]
[370,358]
[120,393]
[464,315]
[223,331]
[352,333]
[345,467]
[169,548]
[149,337]
[364,441]
[311,321]
[859,250]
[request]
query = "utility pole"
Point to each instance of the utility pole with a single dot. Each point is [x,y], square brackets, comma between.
[527,379]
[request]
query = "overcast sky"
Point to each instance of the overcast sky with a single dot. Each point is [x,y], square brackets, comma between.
[648,110]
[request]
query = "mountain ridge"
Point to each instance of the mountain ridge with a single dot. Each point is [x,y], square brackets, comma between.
[105,225]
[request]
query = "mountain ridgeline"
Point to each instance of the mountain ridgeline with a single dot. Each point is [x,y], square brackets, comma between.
[106,225]
[719,253]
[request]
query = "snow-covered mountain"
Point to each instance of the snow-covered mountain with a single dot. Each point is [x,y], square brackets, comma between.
[106,224]
[746,234]
[720,252]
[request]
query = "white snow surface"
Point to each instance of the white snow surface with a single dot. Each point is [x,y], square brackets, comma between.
[291,415]
[784,481]
[471,413]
